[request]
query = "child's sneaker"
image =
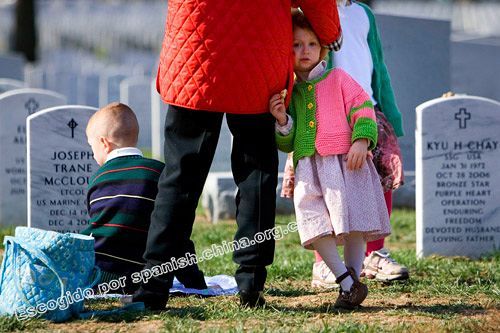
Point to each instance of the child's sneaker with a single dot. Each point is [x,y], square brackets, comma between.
[355,296]
[322,277]
[380,266]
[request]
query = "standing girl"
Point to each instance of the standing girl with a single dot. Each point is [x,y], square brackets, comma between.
[330,128]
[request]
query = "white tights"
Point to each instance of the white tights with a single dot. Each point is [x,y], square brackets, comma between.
[354,254]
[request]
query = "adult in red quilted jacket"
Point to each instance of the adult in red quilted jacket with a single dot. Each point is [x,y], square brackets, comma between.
[223,57]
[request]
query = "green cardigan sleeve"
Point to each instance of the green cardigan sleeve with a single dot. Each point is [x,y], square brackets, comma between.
[381,82]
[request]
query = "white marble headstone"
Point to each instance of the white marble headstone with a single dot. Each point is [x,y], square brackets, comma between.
[109,87]
[60,163]
[158,113]
[35,76]
[10,84]
[457,176]
[15,107]
[88,89]
[136,93]
[65,83]
[222,157]
[12,67]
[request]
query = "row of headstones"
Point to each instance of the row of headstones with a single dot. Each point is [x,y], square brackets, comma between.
[144,28]
[139,92]
[416,78]
[467,17]
[19,104]
[435,66]
[79,76]
[458,151]
[45,184]
[136,91]
[85,80]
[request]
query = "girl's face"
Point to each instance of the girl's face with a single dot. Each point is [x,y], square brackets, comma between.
[306,48]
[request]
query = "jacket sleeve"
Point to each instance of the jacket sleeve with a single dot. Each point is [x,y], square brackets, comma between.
[324,18]
[381,81]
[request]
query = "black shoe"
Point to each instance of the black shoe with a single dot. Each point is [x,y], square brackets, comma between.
[192,278]
[152,300]
[252,299]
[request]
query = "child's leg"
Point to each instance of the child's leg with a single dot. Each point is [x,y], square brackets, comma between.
[379,243]
[327,248]
[352,292]
[317,256]
[354,249]
[380,265]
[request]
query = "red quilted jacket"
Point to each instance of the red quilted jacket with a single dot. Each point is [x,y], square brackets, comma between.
[232,55]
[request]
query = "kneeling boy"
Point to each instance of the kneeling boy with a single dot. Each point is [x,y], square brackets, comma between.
[121,197]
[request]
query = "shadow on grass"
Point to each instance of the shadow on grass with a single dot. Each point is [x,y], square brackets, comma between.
[289,293]
[434,310]
[189,312]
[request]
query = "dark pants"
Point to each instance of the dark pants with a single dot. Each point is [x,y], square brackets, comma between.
[190,141]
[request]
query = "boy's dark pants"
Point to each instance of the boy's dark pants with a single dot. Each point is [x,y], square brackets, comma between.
[190,141]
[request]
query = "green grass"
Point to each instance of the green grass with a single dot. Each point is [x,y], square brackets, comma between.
[443,294]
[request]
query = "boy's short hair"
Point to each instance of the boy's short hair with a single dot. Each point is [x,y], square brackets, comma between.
[117,122]
[299,20]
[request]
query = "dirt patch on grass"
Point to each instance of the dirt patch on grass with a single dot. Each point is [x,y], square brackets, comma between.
[97,327]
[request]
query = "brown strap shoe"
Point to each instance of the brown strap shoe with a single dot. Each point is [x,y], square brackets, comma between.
[355,296]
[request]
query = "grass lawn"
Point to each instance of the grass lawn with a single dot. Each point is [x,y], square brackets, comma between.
[442,295]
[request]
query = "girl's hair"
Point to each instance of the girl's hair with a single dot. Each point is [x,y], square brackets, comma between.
[299,20]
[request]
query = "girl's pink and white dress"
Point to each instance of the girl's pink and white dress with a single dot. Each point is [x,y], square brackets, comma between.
[331,200]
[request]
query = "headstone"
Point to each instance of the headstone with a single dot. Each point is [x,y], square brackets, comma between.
[458,184]
[222,157]
[218,196]
[35,76]
[158,114]
[65,83]
[109,87]
[417,54]
[136,93]
[10,84]
[475,67]
[12,67]
[220,191]
[88,89]
[60,163]
[15,107]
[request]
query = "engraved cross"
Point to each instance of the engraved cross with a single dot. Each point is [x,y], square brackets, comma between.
[31,105]
[72,124]
[462,116]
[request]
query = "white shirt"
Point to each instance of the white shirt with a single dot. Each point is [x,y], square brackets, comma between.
[355,57]
[126,151]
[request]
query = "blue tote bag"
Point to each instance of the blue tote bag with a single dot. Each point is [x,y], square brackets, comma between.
[46,274]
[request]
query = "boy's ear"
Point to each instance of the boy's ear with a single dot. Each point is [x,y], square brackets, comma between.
[108,145]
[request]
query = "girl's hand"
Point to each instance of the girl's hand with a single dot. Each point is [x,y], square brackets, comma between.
[357,154]
[278,110]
